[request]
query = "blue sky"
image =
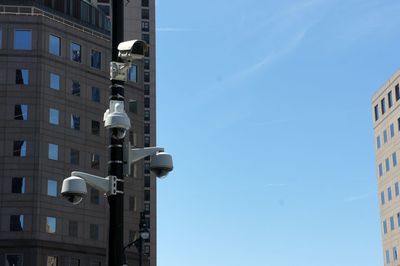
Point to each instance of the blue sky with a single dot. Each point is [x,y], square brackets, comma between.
[266,108]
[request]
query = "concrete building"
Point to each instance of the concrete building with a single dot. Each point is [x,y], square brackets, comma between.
[386,117]
[54,82]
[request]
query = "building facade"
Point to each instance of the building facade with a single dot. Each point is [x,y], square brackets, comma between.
[54,78]
[386,117]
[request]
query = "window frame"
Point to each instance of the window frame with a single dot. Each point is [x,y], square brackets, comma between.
[31,40]
[50,45]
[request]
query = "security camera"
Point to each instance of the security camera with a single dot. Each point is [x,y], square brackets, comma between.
[132,50]
[116,119]
[74,189]
[161,164]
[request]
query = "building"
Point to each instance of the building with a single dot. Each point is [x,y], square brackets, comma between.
[54,90]
[386,117]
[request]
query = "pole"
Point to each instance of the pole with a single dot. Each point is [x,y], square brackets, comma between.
[115,164]
[140,251]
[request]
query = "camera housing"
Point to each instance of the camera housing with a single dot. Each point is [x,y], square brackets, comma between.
[161,164]
[116,119]
[74,189]
[132,50]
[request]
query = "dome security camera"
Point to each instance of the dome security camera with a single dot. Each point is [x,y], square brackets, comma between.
[74,189]
[161,164]
[116,119]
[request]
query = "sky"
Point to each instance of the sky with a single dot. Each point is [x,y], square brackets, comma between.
[266,109]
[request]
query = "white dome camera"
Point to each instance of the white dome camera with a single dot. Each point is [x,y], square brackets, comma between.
[132,50]
[116,119]
[74,189]
[161,164]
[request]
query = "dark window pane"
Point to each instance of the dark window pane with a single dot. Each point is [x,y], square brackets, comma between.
[132,203]
[21,112]
[147,195]
[147,181]
[145,26]
[19,148]
[22,76]
[397,92]
[94,196]
[18,185]
[146,115]
[73,228]
[74,157]
[75,52]
[146,76]
[95,94]
[146,128]
[76,88]
[133,106]
[95,161]
[95,127]
[14,260]
[75,262]
[146,38]
[390,100]
[383,106]
[146,89]
[145,3]
[23,39]
[16,222]
[147,141]
[145,14]
[146,64]
[96,59]
[94,231]
[147,102]
[75,122]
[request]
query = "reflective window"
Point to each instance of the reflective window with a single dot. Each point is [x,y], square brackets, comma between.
[95,127]
[147,208]
[76,88]
[391,130]
[398,219]
[376,112]
[132,106]
[396,188]
[94,196]
[383,108]
[53,152]
[146,76]
[382,197]
[96,59]
[378,142]
[390,100]
[54,81]
[94,231]
[146,115]
[54,115]
[146,102]
[146,38]
[18,185]
[14,260]
[147,181]
[146,64]
[51,224]
[147,141]
[146,128]
[391,223]
[52,188]
[145,26]
[75,52]
[17,222]
[147,195]
[52,261]
[397,92]
[54,45]
[146,89]
[21,112]
[145,2]
[75,122]
[20,148]
[74,157]
[95,94]
[395,253]
[132,75]
[394,159]
[23,39]
[95,161]
[385,136]
[145,14]
[73,228]
[387,165]
[387,257]
[22,76]
[384,227]
[389,193]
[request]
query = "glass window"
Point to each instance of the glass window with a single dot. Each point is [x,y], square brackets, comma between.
[22,76]
[52,188]
[387,165]
[95,161]
[17,222]
[146,64]
[76,88]
[75,262]
[95,94]
[147,90]
[385,138]
[145,26]
[52,261]
[133,106]
[94,196]
[394,159]
[396,188]
[146,37]
[145,2]
[387,257]
[398,219]
[382,197]
[395,253]
[73,228]
[21,112]
[391,130]
[384,227]
[54,115]
[51,224]
[54,45]
[146,102]
[147,141]
[147,195]
[75,52]
[390,100]
[54,81]
[146,115]
[147,181]
[383,108]
[20,148]
[147,168]
[53,152]
[75,122]
[147,208]
[391,223]
[397,92]
[145,14]
[146,76]
[132,75]
[378,142]
[74,157]
[146,128]
[95,127]
[23,39]
[96,59]
[14,260]
[389,193]
[18,185]
[376,112]
[94,231]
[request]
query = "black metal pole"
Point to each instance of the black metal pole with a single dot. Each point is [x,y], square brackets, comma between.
[140,251]
[115,164]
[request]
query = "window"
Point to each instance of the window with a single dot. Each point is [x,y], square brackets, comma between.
[95,161]
[20,148]
[398,219]
[146,128]
[383,108]
[95,263]
[396,189]
[397,92]
[94,231]
[95,94]
[96,59]
[147,181]
[17,222]
[51,224]
[23,39]
[53,152]
[394,159]
[387,165]
[52,188]
[145,26]
[132,75]
[73,228]
[147,168]
[395,253]
[1,39]
[382,197]
[22,76]
[74,157]
[18,185]
[54,115]
[391,130]
[14,260]
[147,141]
[54,45]
[145,2]
[385,138]
[147,117]
[105,9]
[21,112]
[75,52]
[132,203]
[147,208]
[147,195]
[146,102]
[75,122]
[378,141]
[387,257]
[94,196]
[391,223]
[54,81]
[146,64]
[389,193]
[145,14]
[133,106]
[76,88]
[376,112]
[390,100]
[52,261]
[147,91]
[95,127]
[75,262]
[146,76]
[384,227]
[146,37]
